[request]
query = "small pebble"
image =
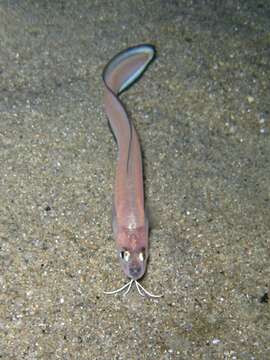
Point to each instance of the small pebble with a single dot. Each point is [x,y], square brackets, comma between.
[250,99]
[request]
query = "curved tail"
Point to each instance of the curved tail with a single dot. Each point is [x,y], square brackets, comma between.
[127,66]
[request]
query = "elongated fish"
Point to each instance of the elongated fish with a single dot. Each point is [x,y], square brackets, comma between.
[130,223]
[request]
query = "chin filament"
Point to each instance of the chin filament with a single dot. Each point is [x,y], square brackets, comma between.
[141,290]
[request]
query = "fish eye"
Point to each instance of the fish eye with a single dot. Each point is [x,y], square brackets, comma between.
[141,256]
[125,255]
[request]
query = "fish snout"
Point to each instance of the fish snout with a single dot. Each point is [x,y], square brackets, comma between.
[135,272]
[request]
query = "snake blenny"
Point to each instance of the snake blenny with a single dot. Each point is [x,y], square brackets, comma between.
[130,222]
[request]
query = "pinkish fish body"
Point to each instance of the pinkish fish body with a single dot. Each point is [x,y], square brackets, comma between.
[130,223]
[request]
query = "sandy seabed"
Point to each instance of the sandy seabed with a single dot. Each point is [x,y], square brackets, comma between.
[203,115]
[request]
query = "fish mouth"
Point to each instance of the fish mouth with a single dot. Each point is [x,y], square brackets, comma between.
[135,272]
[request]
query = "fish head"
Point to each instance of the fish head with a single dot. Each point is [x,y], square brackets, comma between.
[132,247]
[133,262]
